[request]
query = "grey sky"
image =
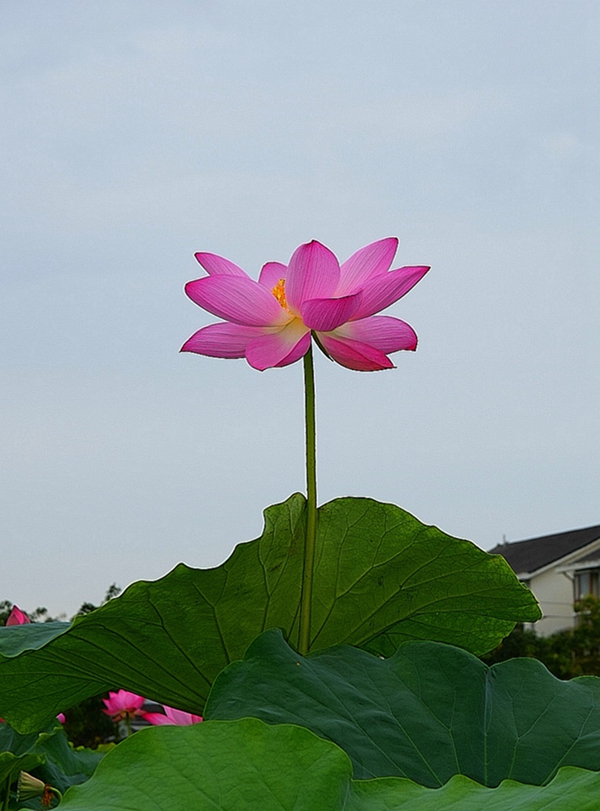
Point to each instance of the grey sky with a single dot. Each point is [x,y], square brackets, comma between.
[135,133]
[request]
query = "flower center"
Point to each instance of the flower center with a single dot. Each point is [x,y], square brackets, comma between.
[279,293]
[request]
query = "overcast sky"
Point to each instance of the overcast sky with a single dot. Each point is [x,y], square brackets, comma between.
[136,133]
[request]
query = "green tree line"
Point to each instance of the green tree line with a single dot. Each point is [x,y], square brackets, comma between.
[569,653]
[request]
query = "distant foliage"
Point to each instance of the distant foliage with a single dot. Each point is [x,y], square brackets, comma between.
[111,592]
[86,724]
[39,615]
[570,653]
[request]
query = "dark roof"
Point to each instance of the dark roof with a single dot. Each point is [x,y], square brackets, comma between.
[533,554]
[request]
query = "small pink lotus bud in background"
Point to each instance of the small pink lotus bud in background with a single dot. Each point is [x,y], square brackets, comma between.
[17,617]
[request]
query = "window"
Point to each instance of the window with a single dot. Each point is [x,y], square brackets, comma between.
[587,584]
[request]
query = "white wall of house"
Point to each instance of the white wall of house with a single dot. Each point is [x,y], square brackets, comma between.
[554,592]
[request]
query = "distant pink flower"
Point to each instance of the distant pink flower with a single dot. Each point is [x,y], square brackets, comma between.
[17,617]
[171,716]
[270,322]
[121,705]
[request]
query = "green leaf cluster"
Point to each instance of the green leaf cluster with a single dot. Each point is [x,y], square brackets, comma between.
[381,578]
[429,712]
[230,766]
[428,726]
[46,753]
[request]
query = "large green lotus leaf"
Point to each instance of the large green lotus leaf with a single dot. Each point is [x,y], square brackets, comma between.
[381,577]
[571,790]
[429,712]
[247,765]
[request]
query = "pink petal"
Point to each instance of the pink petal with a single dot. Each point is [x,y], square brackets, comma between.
[156,718]
[222,340]
[122,701]
[381,291]
[385,333]
[181,718]
[325,314]
[237,299]
[131,700]
[369,261]
[217,265]
[313,272]
[355,354]
[297,352]
[17,617]
[171,717]
[275,348]
[61,717]
[271,273]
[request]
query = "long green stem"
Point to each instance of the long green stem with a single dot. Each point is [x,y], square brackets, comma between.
[311,507]
[6,798]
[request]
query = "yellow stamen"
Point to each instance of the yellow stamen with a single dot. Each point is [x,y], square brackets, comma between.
[279,293]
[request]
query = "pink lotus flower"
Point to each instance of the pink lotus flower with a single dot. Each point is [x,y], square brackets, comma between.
[123,705]
[17,617]
[177,717]
[270,322]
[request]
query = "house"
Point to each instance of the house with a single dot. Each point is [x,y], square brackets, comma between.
[559,569]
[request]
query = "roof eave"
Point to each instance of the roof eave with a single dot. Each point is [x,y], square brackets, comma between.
[565,561]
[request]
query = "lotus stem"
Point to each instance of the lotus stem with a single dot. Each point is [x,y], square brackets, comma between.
[311,505]
[6,798]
